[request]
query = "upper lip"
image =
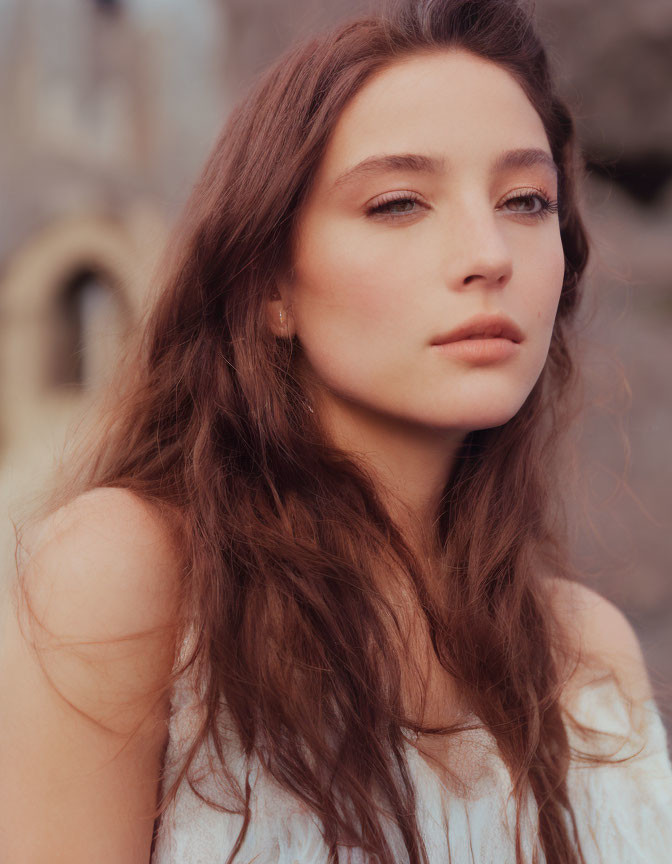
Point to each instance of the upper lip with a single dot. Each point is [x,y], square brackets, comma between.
[488,326]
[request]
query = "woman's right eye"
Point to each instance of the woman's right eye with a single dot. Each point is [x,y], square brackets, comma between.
[402,205]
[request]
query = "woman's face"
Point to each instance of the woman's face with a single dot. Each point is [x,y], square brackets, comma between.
[392,254]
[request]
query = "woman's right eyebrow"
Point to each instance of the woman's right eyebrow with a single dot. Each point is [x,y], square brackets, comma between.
[392,162]
[522,157]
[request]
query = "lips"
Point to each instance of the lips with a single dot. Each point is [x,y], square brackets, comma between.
[482,327]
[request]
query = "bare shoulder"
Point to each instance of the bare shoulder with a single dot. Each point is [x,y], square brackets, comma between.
[601,635]
[107,557]
[86,653]
[101,581]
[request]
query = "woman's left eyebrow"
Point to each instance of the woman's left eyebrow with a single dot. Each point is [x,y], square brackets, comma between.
[522,157]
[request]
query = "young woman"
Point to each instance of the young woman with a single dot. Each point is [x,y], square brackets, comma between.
[308,599]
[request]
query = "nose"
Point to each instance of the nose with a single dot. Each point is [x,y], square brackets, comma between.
[481,255]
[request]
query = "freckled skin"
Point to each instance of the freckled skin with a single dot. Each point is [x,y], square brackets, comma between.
[368,294]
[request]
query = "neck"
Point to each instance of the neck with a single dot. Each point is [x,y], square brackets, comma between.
[410,463]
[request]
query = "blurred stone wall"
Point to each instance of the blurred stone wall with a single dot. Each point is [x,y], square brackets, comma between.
[109,109]
[613,59]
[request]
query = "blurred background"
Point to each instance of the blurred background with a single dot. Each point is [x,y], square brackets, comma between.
[109,109]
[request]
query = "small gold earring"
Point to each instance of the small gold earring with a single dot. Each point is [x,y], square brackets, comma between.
[281,317]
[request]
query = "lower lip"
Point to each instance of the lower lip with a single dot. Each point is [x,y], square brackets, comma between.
[479,351]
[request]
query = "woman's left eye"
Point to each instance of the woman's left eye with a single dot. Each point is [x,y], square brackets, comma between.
[545,205]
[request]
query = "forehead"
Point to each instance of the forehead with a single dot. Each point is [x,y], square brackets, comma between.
[448,101]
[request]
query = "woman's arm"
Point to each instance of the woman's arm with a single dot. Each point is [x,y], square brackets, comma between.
[80,789]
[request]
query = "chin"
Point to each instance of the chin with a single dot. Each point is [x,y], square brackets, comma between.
[471,420]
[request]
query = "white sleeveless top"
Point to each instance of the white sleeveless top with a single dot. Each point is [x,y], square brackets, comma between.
[623,811]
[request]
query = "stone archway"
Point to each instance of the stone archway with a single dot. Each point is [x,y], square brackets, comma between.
[53,289]
[88,321]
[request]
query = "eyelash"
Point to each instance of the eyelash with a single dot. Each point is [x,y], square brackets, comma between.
[546,206]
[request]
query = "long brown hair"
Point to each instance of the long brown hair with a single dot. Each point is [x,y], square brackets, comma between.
[282,532]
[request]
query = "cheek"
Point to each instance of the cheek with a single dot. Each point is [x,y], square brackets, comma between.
[544,281]
[351,306]
[345,290]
